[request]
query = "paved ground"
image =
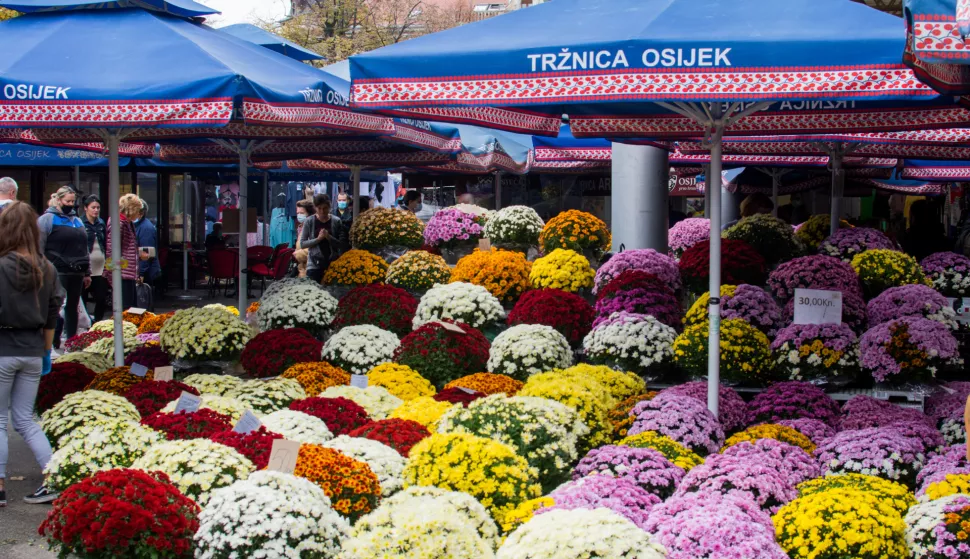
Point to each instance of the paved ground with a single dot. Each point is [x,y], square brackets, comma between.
[19,521]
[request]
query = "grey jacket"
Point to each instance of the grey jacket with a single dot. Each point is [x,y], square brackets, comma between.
[321,252]
[26,308]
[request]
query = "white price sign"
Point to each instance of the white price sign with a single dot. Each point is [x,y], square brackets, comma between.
[358,381]
[818,306]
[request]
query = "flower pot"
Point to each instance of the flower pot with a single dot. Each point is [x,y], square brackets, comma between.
[530,252]
[390,253]
[593,256]
[454,254]
[338,291]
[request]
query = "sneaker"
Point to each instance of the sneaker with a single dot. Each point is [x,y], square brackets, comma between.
[3,499]
[41,496]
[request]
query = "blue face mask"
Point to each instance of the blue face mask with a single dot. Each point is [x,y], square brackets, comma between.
[301,218]
[342,205]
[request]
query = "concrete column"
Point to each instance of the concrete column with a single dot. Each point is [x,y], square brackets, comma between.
[730,205]
[639,197]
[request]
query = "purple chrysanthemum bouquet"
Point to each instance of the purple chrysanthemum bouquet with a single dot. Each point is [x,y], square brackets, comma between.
[660,303]
[950,459]
[813,272]
[713,526]
[620,495]
[792,462]
[943,405]
[929,438]
[816,352]
[949,272]
[854,313]
[750,303]
[647,260]
[147,338]
[732,410]
[793,400]
[846,243]
[452,227]
[645,467]
[911,300]
[814,429]
[879,451]
[681,418]
[687,233]
[866,412]
[733,475]
[907,349]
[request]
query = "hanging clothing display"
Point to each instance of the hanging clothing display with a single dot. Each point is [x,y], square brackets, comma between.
[281,228]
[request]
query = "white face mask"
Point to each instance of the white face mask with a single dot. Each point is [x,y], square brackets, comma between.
[301,218]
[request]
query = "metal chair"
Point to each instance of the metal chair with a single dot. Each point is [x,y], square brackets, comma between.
[278,270]
[223,265]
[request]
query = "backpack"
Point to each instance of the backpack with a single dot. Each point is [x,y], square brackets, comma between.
[144,298]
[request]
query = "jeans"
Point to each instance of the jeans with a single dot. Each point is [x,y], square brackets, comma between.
[73,285]
[19,379]
[98,292]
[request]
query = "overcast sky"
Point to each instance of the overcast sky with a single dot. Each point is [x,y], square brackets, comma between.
[246,11]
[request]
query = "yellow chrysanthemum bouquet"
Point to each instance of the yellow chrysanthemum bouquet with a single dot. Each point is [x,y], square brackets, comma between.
[562,269]
[578,231]
[355,268]
[505,274]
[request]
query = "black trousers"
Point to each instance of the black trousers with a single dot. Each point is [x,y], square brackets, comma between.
[98,294]
[72,284]
[127,294]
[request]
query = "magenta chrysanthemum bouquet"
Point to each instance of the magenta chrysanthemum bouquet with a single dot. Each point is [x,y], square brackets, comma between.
[863,412]
[681,418]
[816,352]
[793,400]
[687,233]
[713,526]
[930,439]
[792,462]
[911,300]
[451,227]
[620,495]
[943,405]
[814,429]
[645,467]
[854,313]
[813,272]
[732,410]
[878,451]
[733,475]
[907,349]
[656,300]
[846,243]
[949,272]
[647,260]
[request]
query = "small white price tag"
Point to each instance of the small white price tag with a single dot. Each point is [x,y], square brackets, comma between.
[450,327]
[247,423]
[136,311]
[138,369]
[467,390]
[283,455]
[164,373]
[188,403]
[360,381]
[484,244]
[962,308]
[818,306]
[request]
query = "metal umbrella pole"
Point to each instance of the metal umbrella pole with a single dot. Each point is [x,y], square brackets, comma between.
[112,138]
[355,179]
[188,195]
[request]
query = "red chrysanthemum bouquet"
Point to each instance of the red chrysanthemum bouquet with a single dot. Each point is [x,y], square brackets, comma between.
[64,379]
[149,356]
[122,513]
[201,424]
[151,396]
[82,341]
[458,396]
[255,445]
[440,355]
[385,306]
[272,352]
[399,434]
[740,263]
[340,414]
[567,312]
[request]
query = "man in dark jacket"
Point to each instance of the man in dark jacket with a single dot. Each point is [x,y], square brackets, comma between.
[322,236]
[148,267]
[64,241]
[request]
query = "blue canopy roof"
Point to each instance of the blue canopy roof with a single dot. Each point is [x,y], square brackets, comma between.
[182,8]
[29,155]
[830,65]
[132,68]
[253,34]
[946,171]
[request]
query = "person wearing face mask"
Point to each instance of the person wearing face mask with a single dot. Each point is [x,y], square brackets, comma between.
[97,247]
[304,209]
[412,201]
[344,212]
[64,241]
[321,234]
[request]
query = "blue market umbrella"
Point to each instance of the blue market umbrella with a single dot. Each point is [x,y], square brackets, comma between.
[949,171]
[181,8]
[253,34]
[103,75]
[936,45]
[663,69]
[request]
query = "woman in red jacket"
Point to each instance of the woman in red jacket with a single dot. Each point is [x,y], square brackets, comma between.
[130,208]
